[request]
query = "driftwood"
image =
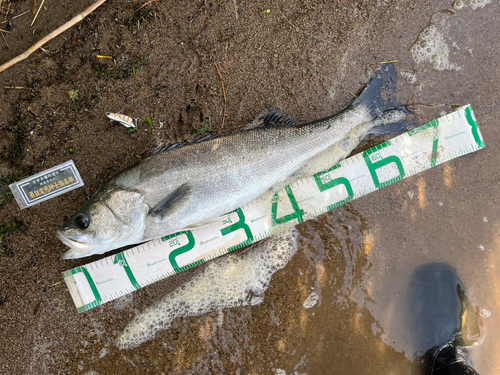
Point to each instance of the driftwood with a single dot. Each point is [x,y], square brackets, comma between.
[52,35]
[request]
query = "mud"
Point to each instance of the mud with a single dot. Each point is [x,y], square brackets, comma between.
[306,57]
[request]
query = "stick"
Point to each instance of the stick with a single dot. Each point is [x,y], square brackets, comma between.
[19,15]
[7,13]
[5,40]
[36,15]
[52,35]
[224,92]
[147,3]
[8,9]
[235,9]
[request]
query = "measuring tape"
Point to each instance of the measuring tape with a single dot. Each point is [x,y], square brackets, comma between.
[423,148]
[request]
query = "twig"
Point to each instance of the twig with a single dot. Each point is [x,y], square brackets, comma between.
[15,87]
[306,33]
[22,14]
[5,31]
[235,9]
[52,35]
[224,92]
[7,13]
[38,11]
[5,40]
[146,3]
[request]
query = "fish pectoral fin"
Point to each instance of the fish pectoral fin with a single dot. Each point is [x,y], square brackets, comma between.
[271,117]
[203,223]
[172,203]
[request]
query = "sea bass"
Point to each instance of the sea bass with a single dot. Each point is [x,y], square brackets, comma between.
[184,187]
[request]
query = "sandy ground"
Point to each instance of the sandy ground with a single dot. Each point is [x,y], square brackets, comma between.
[304,57]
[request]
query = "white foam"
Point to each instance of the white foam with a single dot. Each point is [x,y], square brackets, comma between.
[430,47]
[485,313]
[103,353]
[229,281]
[390,117]
[410,77]
[458,4]
[474,4]
[311,300]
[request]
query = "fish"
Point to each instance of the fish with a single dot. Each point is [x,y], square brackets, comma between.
[191,185]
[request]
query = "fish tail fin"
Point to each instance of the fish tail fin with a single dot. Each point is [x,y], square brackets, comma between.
[379,94]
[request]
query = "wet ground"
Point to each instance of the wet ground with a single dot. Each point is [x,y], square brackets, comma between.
[305,57]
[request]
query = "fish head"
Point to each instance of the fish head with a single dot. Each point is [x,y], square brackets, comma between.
[109,220]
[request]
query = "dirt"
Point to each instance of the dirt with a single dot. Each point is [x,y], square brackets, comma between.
[305,57]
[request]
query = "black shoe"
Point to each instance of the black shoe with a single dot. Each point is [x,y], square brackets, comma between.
[437,304]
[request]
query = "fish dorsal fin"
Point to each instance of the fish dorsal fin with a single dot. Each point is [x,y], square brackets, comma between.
[174,202]
[197,139]
[271,117]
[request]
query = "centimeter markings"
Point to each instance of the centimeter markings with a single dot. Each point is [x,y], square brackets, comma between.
[423,148]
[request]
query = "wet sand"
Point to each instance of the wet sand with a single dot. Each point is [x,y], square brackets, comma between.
[304,57]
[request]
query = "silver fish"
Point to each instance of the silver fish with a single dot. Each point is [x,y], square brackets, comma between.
[188,186]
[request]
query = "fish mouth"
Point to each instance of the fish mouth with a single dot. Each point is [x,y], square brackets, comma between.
[72,242]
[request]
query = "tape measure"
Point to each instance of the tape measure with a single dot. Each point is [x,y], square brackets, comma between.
[423,148]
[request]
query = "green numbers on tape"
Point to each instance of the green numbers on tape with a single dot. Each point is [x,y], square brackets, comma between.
[173,241]
[375,161]
[475,130]
[122,261]
[93,288]
[325,182]
[435,142]
[240,224]
[297,212]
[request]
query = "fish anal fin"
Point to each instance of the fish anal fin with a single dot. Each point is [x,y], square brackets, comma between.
[203,223]
[174,202]
[271,117]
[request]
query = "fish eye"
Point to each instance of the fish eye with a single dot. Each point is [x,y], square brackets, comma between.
[82,221]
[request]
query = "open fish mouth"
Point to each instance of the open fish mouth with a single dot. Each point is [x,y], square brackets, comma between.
[72,242]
